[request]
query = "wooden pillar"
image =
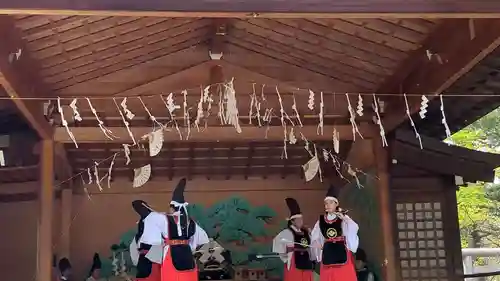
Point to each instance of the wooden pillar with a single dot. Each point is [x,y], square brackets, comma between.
[66,218]
[46,199]
[385,208]
[451,225]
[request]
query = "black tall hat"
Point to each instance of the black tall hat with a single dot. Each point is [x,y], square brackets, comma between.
[64,264]
[294,207]
[178,194]
[96,263]
[141,207]
[332,192]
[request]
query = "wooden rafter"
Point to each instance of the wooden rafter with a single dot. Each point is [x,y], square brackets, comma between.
[432,75]
[214,133]
[157,83]
[19,78]
[273,8]
[295,67]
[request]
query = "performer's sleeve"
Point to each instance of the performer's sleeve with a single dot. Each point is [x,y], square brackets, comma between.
[317,241]
[350,230]
[200,237]
[283,240]
[154,226]
[134,252]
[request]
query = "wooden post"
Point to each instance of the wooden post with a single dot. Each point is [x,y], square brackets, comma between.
[66,217]
[46,199]
[383,189]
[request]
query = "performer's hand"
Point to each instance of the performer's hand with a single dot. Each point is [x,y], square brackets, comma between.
[341,216]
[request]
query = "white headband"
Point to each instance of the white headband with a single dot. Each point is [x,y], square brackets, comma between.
[147,207]
[294,216]
[332,198]
[177,204]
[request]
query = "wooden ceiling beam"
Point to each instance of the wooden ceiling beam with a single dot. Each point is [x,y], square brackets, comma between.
[438,64]
[215,133]
[216,49]
[19,77]
[217,39]
[245,57]
[273,8]
[158,83]
[230,66]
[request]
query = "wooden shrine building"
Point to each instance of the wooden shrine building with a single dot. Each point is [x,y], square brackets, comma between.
[95,53]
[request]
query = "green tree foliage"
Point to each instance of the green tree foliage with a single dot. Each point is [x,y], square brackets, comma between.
[364,201]
[478,203]
[242,229]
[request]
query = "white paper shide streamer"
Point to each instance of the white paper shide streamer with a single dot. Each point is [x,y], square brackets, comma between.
[126,149]
[379,121]
[319,130]
[96,175]
[171,106]
[76,114]
[231,110]
[64,122]
[204,97]
[127,111]
[445,124]
[110,169]
[310,103]
[359,108]
[291,136]
[187,118]
[126,123]
[89,175]
[103,128]
[352,119]
[336,141]
[408,113]
[423,107]
[151,117]
[294,108]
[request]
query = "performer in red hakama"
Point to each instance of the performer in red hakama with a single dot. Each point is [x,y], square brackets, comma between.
[146,249]
[334,240]
[292,244]
[182,237]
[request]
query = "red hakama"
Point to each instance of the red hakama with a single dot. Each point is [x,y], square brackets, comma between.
[155,274]
[295,274]
[339,272]
[336,236]
[170,273]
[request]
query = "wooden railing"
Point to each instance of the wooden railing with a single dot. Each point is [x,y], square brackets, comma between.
[481,264]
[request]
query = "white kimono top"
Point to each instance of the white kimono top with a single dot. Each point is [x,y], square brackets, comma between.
[283,240]
[349,231]
[155,233]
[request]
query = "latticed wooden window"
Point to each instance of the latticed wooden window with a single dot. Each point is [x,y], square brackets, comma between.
[420,235]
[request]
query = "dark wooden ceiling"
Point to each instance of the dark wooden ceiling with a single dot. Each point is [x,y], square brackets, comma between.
[484,81]
[118,56]
[126,56]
